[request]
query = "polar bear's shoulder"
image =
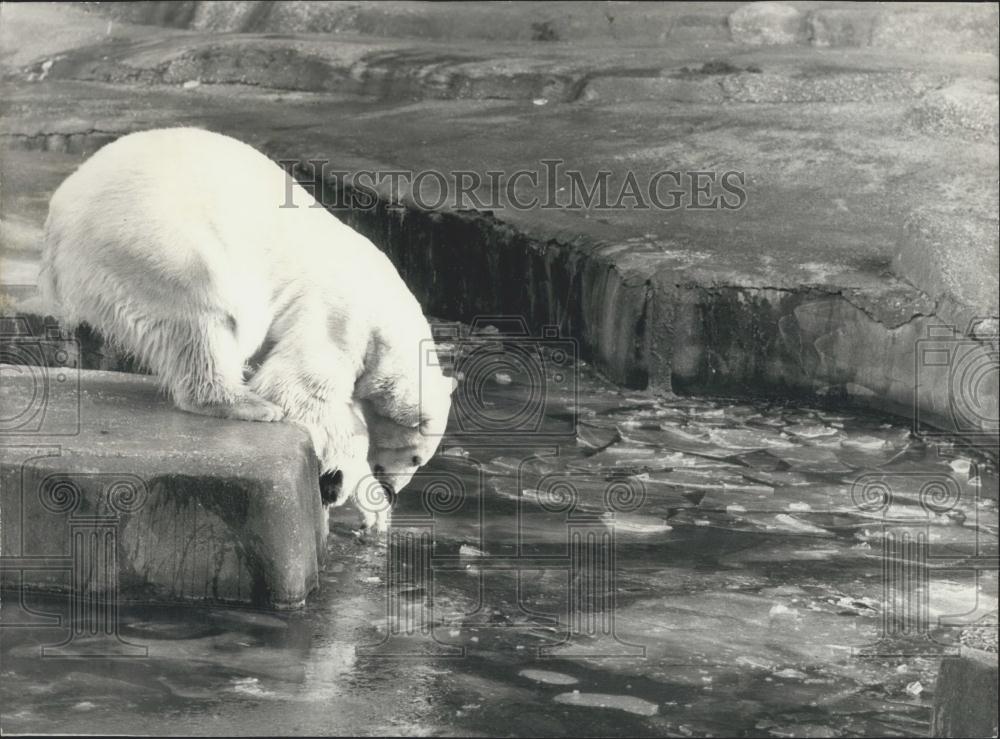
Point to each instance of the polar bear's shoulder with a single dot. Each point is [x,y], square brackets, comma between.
[197,141]
[161,153]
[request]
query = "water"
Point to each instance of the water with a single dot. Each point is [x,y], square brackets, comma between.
[746,582]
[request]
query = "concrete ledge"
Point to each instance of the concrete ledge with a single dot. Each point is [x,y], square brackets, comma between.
[965,698]
[105,485]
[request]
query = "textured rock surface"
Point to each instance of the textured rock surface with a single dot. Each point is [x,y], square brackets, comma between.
[940,26]
[767,24]
[192,508]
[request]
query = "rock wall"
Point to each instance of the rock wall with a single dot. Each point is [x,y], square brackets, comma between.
[938,26]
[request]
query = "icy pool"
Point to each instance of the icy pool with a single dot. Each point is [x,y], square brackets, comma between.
[668,566]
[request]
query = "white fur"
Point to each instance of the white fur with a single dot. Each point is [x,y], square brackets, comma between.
[172,243]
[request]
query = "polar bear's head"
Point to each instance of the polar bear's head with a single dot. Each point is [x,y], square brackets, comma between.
[396,451]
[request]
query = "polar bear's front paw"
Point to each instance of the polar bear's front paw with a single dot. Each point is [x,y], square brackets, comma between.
[246,407]
[252,407]
[373,500]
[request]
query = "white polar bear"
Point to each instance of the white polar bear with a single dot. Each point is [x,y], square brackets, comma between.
[173,243]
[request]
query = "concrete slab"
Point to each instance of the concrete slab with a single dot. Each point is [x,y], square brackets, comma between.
[105,485]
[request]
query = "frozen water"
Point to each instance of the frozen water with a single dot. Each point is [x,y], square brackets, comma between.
[747,579]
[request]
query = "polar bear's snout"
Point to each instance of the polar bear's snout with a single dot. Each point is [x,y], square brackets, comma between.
[391,495]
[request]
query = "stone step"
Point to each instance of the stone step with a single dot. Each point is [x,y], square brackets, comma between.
[965,698]
[106,486]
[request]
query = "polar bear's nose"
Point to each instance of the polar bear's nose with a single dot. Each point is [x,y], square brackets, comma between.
[390,492]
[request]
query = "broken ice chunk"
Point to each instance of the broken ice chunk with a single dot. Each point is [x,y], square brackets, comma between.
[811,430]
[626,703]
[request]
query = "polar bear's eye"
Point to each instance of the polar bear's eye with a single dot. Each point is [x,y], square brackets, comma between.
[417,461]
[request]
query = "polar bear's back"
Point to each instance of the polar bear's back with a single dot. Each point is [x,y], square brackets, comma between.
[184,226]
[147,226]
[184,212]
[161,194]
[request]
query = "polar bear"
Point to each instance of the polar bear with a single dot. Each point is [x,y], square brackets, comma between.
[175,244]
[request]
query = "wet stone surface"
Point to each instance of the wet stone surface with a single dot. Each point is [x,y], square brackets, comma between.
[677,566]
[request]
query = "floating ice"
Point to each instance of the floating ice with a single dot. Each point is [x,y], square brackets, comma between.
[798,526]
[961,466]
[789,674]
[811,430]
[627,703]
[549,677]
